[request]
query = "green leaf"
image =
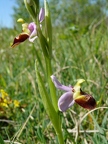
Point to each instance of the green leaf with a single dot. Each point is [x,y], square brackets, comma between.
[51,85]
[30,8]
[53,115]
[43,42]
[48,26]
[38,57]
[45,97]
[1,140]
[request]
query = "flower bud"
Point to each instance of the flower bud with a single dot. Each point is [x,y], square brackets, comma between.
[20,20]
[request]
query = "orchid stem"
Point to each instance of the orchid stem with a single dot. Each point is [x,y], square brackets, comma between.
[60,138]
[57,126]
[51,85]
[59,133]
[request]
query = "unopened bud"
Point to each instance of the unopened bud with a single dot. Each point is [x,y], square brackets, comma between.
[20,20]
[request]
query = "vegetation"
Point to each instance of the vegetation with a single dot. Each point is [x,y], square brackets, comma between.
[80,50]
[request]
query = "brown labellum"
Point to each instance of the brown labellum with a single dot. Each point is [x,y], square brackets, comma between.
[21,38]
[86,101]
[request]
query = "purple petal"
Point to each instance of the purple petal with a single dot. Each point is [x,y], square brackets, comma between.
[41,15]
[32,27]
[65,101]
[59,85]
[33,38]
[33,31]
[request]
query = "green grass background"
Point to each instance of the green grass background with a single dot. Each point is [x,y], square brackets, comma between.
[81,53]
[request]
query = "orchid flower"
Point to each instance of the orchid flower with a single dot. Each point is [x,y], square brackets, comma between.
[73,95]
[29,31]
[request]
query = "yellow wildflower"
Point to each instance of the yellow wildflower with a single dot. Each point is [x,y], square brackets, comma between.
[4,99]
[3,104]
[3,94]
[16,103]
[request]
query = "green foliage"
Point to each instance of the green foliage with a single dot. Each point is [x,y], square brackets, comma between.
[78,52]
[64,13]
[20,12]
[78,12]
[1,140]
[75,55]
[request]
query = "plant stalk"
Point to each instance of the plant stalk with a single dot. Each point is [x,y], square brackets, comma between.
[51,85]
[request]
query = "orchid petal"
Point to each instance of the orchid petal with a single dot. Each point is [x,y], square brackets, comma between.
[33,31]
[77,86]
[19,39]
[65,101]
[32,39]
[41,15]
[59,85]
[25,28]
[32,28]
[85,100]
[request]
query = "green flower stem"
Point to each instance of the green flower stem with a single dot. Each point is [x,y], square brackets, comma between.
[30,9]
[53,115]
[51,85]
[48,26]
[59,131]
[43,42]
[50,103]
[60,137]
[56,125]
[36,3]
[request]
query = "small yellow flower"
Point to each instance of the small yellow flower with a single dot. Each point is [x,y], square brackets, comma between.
[4,99]
[3,104]
[3,94]
[16,103]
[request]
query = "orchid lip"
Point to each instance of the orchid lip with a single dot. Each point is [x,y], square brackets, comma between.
[85,100]
[19,39]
